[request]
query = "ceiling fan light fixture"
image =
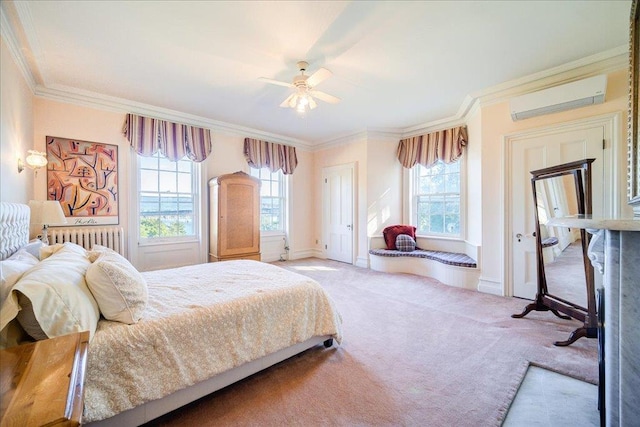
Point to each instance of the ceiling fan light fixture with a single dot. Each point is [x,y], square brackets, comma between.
[302,104]
[302,99]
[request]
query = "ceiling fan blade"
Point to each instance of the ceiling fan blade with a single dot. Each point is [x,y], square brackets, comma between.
[275,82]
[318,77]
[324,97]
[287,102]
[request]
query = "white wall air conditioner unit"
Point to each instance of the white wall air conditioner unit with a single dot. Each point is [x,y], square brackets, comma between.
[559,98]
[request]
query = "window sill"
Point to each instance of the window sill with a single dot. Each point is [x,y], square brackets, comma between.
[273,234]
[166,242]
[440,237]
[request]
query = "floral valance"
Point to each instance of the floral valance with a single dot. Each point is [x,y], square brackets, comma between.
[445,145]
[174,140]
[263,154]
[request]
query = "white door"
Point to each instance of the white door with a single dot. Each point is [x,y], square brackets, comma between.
[338,212]
[539,152]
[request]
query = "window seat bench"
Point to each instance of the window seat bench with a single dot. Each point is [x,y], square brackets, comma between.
[451,268]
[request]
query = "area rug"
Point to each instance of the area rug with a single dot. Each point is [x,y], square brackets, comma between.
[415,353]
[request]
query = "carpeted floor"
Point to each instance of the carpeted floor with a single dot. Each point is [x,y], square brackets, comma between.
[565,275]
[415,353]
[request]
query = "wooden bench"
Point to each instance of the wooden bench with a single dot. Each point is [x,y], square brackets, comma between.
[451,268]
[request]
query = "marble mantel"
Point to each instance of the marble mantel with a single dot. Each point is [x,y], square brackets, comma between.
[615,251]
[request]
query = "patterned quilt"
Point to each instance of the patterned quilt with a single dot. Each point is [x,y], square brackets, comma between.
[200,321]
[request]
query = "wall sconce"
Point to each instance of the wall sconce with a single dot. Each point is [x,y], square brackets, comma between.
[36,160]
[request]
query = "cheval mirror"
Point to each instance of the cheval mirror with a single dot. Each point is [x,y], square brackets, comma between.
[565,283]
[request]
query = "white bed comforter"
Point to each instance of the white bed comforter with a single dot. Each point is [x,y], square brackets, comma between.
[200,321]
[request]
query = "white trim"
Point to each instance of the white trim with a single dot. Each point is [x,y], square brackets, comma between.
[361,135]
[409,208]
[119,105]
[307,253]
[14,48]
[603,62]
[194,244]
[362,262]
[203,211]
[326,171]
[611,129]
[23,13]
[490,286]
[283,190]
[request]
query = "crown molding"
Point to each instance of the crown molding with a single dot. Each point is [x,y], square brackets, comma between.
[28,34]
[365,134]
[119,105]
[7,31]
[601,63]
[11,12]
[345,139]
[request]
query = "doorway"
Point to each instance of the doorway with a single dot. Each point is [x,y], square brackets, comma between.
[539,149]
[338,206]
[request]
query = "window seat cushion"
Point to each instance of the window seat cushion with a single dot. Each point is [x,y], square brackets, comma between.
[449,258]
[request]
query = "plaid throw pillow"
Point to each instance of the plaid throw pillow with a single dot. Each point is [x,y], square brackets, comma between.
[405,243]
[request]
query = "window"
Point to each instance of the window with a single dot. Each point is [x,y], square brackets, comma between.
[272,199]
[436,199]
[167,198]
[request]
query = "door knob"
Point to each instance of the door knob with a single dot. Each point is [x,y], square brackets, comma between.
[349,226]
[519,236]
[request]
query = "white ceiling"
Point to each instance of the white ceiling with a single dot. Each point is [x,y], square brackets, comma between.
[395,64]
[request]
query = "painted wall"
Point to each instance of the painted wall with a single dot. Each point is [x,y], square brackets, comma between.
[384,186]
[26,120]
[16,130]
[303,214]
[473,159]
[53,118]
[227,156]
[495,123]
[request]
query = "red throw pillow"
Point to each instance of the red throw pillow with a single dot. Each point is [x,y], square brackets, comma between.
[390,233]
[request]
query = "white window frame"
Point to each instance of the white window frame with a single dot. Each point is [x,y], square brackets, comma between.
[283,190]
[197,196]
[410,202]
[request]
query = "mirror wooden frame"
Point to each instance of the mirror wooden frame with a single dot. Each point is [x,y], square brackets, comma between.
[633,146]
[544,301]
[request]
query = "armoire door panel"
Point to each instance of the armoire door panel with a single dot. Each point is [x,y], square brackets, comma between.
[234,211]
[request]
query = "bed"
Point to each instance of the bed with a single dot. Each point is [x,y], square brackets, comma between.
[200,328]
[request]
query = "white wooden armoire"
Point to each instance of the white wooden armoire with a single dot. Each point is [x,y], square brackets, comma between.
[234,217]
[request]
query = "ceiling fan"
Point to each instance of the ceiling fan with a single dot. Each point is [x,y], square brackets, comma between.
[302,99]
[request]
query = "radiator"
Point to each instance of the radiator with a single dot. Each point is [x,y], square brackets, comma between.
[111,237]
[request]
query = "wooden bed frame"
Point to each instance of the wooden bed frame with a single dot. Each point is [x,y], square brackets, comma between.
[14,220]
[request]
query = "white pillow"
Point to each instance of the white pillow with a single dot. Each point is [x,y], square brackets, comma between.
[59,301]
[119,289]
[12,269]
[33,247]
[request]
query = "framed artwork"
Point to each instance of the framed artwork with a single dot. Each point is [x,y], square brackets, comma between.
[83,177]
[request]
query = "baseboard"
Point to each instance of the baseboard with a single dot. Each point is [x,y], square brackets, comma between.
[490,286]
[307,253]
[362,262]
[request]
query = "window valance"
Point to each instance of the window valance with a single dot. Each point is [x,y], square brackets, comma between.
[445,145]
[263,154]
[174,140]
